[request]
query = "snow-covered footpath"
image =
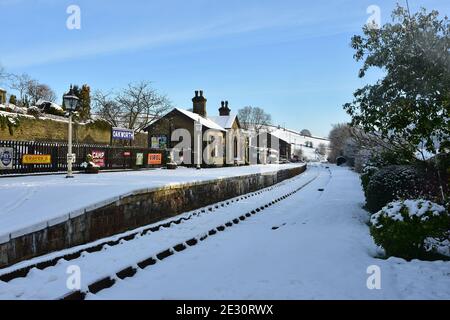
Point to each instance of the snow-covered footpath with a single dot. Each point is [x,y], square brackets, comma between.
[29,202]
[321,250]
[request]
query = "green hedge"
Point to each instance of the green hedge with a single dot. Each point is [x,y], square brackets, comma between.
[400,182]
[401,227]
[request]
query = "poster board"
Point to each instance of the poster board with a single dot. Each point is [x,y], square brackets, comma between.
[98,157]
[6,158]
[36,159]
[139,159]
[154,158]
[158,142]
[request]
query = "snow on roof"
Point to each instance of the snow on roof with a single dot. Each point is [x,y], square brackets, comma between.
[280,136]
[1,89]
[290,131]
[205,122]
[224,121]
[296,138]
[56,106]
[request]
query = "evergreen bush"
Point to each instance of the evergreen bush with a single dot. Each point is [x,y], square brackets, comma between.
[400,182]
[403,228]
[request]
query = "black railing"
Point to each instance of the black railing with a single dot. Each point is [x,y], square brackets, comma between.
[111,157]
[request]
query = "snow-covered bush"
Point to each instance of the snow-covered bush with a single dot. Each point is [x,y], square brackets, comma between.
[50,108]
[399,182]
[6,108]
[56,110]
[34,111]
[10,122]
[367,173]
[362,159]
[89,165]
[402,227]
[15,109]
[438,245]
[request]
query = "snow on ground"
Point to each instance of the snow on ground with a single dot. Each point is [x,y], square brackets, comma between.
[310,154]
[321,250]
[29,201]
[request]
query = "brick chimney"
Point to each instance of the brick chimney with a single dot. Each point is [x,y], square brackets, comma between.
[199,104]
[224,110]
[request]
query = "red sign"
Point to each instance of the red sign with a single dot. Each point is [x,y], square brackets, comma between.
[127,154]
[98,157]
[154,158]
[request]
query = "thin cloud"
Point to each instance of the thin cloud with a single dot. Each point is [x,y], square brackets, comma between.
[109,45]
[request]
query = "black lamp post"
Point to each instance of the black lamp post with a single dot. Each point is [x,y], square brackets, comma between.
[70,102]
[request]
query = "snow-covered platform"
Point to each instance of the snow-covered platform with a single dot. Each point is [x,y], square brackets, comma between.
[33,202]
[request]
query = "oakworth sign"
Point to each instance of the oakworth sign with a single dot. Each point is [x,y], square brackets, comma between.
[122,134]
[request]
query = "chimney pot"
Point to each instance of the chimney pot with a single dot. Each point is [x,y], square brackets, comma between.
[199,103]
[224,110]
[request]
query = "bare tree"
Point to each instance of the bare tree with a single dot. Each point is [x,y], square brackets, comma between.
[3,75]
[107,108]
[254,118]
[134,107]
[298,152]
[244,115]
[338,137]
[38,91]
[20,83]
[30,90]
[260,119]
[376,143]
[322,149]
[306,133]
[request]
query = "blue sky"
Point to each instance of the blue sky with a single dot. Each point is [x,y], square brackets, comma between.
[290,57]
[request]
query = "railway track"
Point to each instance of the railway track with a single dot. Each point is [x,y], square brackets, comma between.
[281,192]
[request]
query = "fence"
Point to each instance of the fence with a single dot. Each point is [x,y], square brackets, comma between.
[52,157]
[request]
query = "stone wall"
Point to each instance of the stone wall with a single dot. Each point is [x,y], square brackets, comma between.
[33,129]
[128,212]
[51,130]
